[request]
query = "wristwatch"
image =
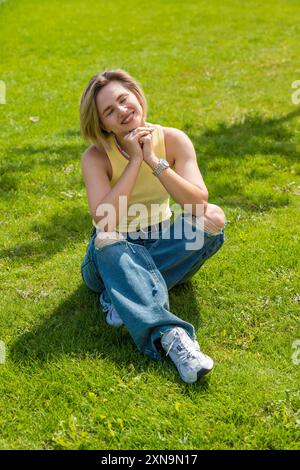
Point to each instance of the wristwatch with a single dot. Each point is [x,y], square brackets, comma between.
[161,166]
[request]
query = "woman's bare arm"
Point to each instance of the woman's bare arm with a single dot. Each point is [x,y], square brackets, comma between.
[99,191]
[185,184]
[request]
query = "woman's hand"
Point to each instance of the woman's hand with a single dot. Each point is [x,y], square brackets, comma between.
[148,151]
[135,144]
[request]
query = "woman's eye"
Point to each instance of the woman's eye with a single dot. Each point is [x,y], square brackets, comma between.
[122,101]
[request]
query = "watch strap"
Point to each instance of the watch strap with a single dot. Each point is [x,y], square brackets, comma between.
[161,166]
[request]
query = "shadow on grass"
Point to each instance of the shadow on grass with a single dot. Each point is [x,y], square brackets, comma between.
[60,230]
[51,155]
[20,161]
[252,136]
[67,133]
[77,329]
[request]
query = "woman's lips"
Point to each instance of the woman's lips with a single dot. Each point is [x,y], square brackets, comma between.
[129,118]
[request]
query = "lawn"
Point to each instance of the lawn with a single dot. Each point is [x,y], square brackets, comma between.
[223,73]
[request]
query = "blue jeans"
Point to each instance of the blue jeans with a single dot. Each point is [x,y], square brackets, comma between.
[137,275]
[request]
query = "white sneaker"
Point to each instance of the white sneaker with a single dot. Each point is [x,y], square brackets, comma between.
[186,355]
[113,318]
[111,315]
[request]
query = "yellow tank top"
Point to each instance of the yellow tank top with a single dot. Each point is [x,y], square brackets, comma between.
[148,190]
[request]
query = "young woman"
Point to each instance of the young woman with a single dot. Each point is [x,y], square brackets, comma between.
[133,166]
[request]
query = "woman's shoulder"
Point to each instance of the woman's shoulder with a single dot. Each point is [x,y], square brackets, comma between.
[93,150]
[97,153]
[172,133]
[172,138]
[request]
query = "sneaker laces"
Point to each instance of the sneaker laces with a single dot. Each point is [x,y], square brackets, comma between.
[183,353]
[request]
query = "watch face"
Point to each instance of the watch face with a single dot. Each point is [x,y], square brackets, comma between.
[165,162]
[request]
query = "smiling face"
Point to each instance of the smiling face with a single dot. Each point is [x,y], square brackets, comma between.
[119,109]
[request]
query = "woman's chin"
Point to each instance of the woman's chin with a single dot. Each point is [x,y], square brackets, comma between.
[136,122]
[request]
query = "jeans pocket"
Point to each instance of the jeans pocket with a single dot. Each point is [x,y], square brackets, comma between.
[90,275]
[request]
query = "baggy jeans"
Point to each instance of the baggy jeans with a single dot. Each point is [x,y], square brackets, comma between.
[137,275]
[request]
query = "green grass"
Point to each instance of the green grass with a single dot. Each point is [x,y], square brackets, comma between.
[222,72]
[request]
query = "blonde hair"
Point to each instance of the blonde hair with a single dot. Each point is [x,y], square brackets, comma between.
[90,121]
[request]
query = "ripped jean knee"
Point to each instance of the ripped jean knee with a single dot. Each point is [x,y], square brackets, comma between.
[208,226]
[107,238]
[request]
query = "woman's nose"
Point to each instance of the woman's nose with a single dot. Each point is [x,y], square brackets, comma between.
[122,109]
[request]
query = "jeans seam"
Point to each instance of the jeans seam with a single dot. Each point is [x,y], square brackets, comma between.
[152,267]
[150,263]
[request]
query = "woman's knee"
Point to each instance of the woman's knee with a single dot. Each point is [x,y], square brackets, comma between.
[214,219]
[107,238]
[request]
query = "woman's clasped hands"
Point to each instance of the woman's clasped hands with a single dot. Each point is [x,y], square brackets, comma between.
[140,141]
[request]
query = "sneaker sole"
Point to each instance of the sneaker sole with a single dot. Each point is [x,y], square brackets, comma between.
[200,374]
[203,372]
